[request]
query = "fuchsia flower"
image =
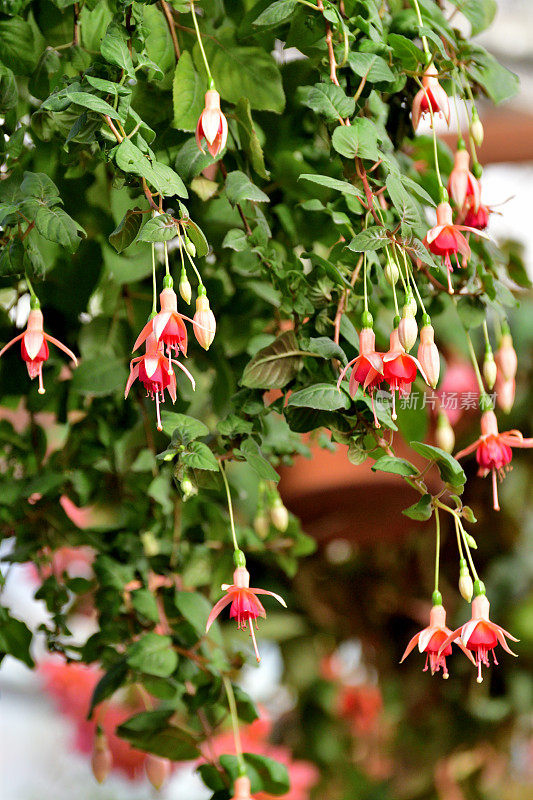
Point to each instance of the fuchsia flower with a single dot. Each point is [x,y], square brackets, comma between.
[431,95]
[431,640]
[204,322]
[428,354]
[463,186]
[367,367]
[493,450]
[477,219]
[399,369]
[212,125]
[445,239]
[242,789]
[34,347]
[168,326]
[479,635]
[153,371]
[245,607]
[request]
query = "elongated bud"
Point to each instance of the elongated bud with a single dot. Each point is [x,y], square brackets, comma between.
[184,287]
[190,246]
[490,370]
[408,329]
[505,393]
[188,488]
[506,358]
[157,770]
[242,788]
[444,434]
[476,129]
[102,760]
[391,272]
[428,354]
[204,322]
[279,515]
[466,586]
[262,525]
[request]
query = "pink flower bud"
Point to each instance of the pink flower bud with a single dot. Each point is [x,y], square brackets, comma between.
[466,585]
[102,760]
[212,125]
[428,355]
[242,789]
[204,322]
[476,131]
[157,770]
[505,392]
[279,516]
[407,332]
[506,358]
[444,435]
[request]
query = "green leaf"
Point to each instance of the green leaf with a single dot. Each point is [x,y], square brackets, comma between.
[40,186]
[236,239]
[265,774]
[130,158]
[158,229]
[190,160]
[398,466]
[333,183]
[8,89]
[249,449]
[329,100]
[326,348]
[403,203]
[153,655]
[246,709]
[108,684]
[12,258]
[233,426]
[99,376]
[92,102]
[114,48]
[420,511]
[373,238]
[275,14]
[127,229]
[195,608]
[275,365]
[199,456]
[359,140]
[249,139]
[158,42]
[15,638]
[18,48]
[405,51]
[371,66]
[145,604]
[239,187]
[450,469]
[182,428]
[197,237]
[480,13]
[498,82]
[150,731]
[188,90]
[471,312]
[56,226]
[322,396]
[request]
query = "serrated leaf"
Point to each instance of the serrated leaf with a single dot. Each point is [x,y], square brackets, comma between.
[333,183]
[275,365]
[182,428]
[329,100]
[358,140]
[195,608]
[371,66]
[158,229]
[402,202]
[151,731]
[99,376]
[56,226]
[114,48]
[249,449]
[373,238]
[127,229]
[8,89]
[249,139]
[405,51]
[327,348]
[199,456]
[321,396]
[108,684]
[239,187]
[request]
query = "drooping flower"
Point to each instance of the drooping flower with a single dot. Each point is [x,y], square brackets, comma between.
[101,760]
[242,788]
[245,606]
[152,369]
[431,640]
[432,94]
[157,770]
[399,369]
[477,219]
[212,125]
[480,635]
[367,367]
[204,322]
[34,345]
[446,239]
[493,450]
[463,186]
[428,354]
[168,325]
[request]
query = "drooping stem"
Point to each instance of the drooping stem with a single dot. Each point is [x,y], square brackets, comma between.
[437,548]
[435,151]
[235,723]
[230,507]
[154,282]
[364,283]
[467,548]
[183,246]
[473,359]
[486,336]
[199,37]
[409,273]
[424,39]
[458,534]
[33,296]
[167,265]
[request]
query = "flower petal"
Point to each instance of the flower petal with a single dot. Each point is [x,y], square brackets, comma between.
[217,608]
[411,646]
[272,594]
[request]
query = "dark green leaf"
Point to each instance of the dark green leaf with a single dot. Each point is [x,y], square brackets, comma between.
[158,229]
[127,229]
[99,376]
[199,456]
[276,13]
[239,187]
[420,511]
[329,100]
[322,396]
[398,466]
[188,90]
[450,469]
[359,140]
[153,654]
[333,183]
[275,365]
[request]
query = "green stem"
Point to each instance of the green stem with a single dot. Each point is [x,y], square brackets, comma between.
[435,152]
[394,294]
[182,248]
[409,272]
[459,545]
[167,265]
[235,723]
[420,22]
[199,37]
[230,507]
[154,282]
[364,283]
[33,296]
[488,346]
[474,363]
[437,549]
[397,260]
[467,548]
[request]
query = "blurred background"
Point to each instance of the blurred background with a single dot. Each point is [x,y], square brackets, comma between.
[330,686]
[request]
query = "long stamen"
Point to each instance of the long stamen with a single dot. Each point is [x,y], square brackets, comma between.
[252,634]
[41,385]
[496,504]
[376,421]
[159,426]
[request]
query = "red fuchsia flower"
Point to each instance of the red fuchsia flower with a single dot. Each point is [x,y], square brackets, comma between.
[477,219]
[34,345]
[212,125]
[245,607]
[399,369]
[493,450]
[480,635]
[168,325]
[463,186]
[428,354]
[445,239]
[204,322]
[431,640]
[431,95]
[242,789]
[367,367]
[152,370]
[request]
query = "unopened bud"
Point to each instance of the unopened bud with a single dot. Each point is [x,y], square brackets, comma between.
[410,307]
[407,331]
[466,586]
[157,770]
[242,788]
[506,358]
[150,544]
[490,370]
[476,130]
[188,488]
[391,272]
[505,392]
[279,515]
[477,170]
[262,525]
[428,355]
[102,760]
[204,323]
[444,434]
[184,287]
[190,247]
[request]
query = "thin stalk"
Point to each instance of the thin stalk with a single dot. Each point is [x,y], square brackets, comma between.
[364,283]
[424,40]
[474,363]
[30,287]
[437,548]
[404,283]
[409,272]
[154,282]
[182,247]
[457,533]
[167,265]
[199,37]
[235,724]
[395,299]
[230,507]
[435,152]
[467,548]
[486,335]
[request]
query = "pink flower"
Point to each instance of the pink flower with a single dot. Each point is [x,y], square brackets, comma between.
[463,186]
[367,367]
[428,355]
[480,635]
[477,219]
[431,95]
[493,450]
[506,358]
[204,322]
[34,347]
[399,369]
[167,326]
[245,607]
[242,789]
[431,640]
[212,125]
